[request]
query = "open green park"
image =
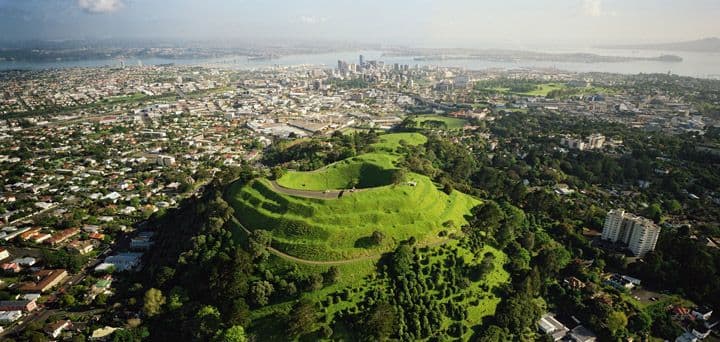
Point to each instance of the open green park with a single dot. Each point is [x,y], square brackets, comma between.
[444,122]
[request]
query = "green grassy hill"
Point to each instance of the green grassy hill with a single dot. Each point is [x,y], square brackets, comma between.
[336,231]
[339,229]
[317,229]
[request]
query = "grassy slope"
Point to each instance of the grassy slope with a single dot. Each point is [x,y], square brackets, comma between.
[338,229]
[369,169]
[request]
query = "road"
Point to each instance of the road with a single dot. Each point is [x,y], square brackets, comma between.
[51,207]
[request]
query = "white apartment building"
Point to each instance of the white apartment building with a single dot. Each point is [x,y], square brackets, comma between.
[593,142]
[639,234]
[596,141]
[165,160]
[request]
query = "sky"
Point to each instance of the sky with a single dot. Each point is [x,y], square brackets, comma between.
[422,23]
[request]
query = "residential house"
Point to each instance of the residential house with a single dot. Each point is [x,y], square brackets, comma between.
[120,262]
[548,325]
[582,334]
[620,282]
[686,337]
[702,312]
[574,283]
[45,280]
[63,236]
[55,329]
[82,247]
[142,241]
[26,261]
[18,305]
[11,267]
[7,317]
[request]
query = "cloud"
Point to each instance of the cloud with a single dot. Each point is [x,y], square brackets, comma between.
[100,6]
[593,8]
[312,20]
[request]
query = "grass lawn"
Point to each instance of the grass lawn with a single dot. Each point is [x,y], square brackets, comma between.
[390,142]
[544,89]
[450,123]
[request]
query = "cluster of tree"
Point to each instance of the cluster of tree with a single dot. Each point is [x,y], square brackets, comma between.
[411,123]
[424,288]
[699,279]
[498,224]
[61,258]
[202,281]
[354,83]
[445,162]
[198,278]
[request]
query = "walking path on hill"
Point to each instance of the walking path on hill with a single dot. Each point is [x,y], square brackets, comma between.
[289,257]
[317,194]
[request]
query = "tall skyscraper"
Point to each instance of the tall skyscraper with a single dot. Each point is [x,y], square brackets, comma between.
[343,67]
[362,61]
[639,234]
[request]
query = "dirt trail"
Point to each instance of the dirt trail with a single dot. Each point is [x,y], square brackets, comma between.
[318,194]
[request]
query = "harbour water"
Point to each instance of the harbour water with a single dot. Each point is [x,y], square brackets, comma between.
[702,65]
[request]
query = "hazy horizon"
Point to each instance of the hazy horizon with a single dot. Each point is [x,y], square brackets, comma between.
[422,23]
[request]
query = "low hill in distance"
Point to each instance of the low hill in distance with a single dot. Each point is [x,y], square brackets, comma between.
[701,45]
